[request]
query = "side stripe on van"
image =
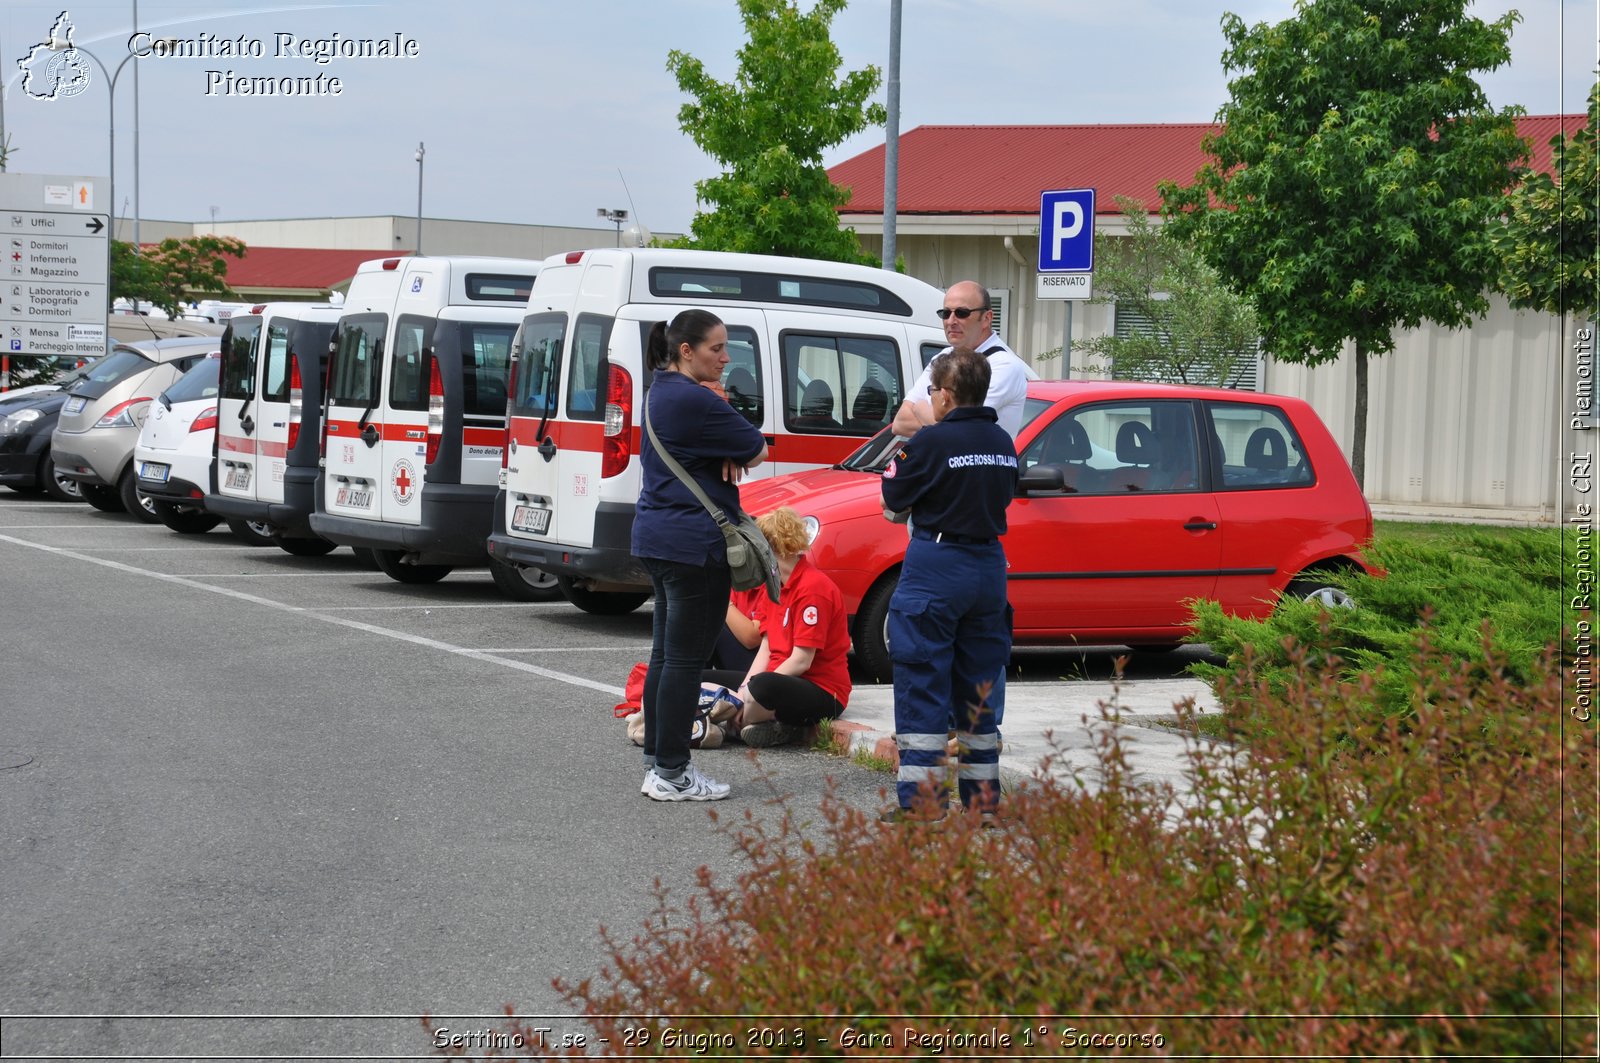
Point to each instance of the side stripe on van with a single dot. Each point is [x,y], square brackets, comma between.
[589,436]
[247,445]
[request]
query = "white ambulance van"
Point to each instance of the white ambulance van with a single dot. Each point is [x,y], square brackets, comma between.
[269,421]
[415,415]
[820,357]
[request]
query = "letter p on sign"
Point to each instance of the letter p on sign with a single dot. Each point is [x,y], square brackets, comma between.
[1066,230]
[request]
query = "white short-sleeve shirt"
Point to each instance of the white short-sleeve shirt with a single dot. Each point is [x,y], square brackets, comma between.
[1008,383]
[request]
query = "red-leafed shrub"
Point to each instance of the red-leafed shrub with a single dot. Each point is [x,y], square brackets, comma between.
[1348,884]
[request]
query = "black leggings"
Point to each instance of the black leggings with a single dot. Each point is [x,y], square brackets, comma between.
[793,699]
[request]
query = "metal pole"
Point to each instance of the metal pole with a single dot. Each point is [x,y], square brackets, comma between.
[1066,345]
[136,245]
[891,143]
[421,151]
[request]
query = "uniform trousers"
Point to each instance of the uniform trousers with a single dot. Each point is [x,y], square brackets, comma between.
[950,640]
[691,602]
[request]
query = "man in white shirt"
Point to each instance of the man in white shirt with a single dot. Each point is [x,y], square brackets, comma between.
[969,322]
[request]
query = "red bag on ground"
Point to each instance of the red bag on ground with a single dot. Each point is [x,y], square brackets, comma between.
[633,690]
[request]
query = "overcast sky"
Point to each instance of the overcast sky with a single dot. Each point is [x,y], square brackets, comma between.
[540,112]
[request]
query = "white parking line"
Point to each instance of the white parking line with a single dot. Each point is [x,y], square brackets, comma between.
[316,614]
[427,605]
[645,649]
[80,527]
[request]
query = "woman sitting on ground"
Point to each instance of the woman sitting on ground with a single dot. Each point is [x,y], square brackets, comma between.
[800,676]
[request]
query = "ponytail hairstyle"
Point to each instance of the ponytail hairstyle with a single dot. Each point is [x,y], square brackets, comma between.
[690,326]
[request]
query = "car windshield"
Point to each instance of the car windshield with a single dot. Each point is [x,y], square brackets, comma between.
[198,383]
[123,363]
[874,454]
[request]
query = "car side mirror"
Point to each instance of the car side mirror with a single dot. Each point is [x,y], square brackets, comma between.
[1041,479]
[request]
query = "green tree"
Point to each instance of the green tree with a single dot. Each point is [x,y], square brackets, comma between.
[174,271]
[1353,181]
[1200,331]
[769,130]
[1546,239]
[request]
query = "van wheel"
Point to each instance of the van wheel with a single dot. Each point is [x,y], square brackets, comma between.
[364,555]
[524,584]
[601,603]
[305,547]
[870,639]
[56,486]
[390,565]
[136,501]
[251,532]
[185,520]
[105,499]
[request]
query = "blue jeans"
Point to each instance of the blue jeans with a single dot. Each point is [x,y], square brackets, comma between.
[691,605]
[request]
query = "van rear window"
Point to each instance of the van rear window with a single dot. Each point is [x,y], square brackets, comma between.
[537,357]
[747,286]
[499,287]
[353,376]
[239,358]
[408,375]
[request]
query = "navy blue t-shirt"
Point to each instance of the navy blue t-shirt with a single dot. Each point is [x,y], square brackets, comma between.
[702,431]
[957,476]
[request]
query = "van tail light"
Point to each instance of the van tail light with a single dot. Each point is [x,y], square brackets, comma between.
[207,421]
[617,446]
[296,400]
[435,410]
[128,414]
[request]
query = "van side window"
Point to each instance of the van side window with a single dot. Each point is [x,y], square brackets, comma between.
[537,363]
[929,352]
[741,378]
[1256,447]
[275,386]
[352,376]
[839,384]
[408,378]
[498,287]
[485,364]
[586,396]
[239,359]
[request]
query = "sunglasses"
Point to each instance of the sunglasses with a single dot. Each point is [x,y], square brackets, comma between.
[961,312]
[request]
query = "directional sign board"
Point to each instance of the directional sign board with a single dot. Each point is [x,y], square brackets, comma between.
[1066,243]
[54,261]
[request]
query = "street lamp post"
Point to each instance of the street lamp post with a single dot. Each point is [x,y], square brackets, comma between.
[111,121]
[618,216]
[421,151]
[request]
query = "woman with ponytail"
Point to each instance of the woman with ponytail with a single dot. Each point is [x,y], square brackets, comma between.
[678,542]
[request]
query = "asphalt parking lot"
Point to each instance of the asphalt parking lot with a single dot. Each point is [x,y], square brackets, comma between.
[235,782]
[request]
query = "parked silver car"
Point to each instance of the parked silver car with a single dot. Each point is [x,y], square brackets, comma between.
[94,439]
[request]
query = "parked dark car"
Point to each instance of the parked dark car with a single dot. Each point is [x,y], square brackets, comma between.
[26,422]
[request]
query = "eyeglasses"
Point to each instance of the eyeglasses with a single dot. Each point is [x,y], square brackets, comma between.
[934,387]
[961,312]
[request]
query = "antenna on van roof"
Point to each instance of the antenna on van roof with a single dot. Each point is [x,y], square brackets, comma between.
[640,233]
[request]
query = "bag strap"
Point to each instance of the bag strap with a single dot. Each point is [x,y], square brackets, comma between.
[678,470]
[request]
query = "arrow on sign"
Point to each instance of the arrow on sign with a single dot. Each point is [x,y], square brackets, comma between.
[94,225]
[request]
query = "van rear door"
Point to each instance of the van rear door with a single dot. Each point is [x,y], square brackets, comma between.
[272,429]
[354,420]
[531,475]
[473,348]
[239,416]
[404,409]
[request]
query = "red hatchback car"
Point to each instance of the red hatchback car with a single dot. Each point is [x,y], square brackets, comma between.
[1134,500]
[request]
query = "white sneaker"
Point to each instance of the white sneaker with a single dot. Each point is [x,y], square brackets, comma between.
[694,786]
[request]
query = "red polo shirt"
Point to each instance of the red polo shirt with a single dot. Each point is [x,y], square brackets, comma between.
[810,612]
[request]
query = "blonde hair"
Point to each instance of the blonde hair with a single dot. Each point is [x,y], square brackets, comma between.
[785,531]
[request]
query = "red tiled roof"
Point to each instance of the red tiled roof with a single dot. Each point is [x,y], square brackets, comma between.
[1018,162]
[298,267]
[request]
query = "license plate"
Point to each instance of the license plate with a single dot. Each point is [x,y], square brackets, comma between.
[74,404]
[150,470]
[238,477]
[535,519]
[354,497]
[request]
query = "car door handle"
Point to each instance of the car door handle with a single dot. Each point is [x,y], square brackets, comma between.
[369,435]
[1200,525]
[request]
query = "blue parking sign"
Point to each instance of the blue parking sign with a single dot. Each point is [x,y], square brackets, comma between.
[1066,231]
